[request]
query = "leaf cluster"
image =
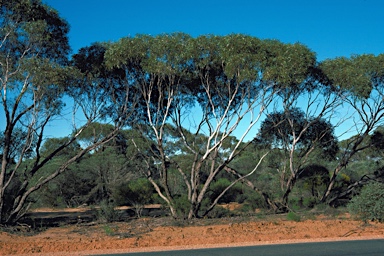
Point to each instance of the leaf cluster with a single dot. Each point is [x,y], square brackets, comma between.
[280,129]
[369,204]
[30,24]
[358,74]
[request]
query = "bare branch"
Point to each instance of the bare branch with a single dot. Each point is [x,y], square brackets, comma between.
[214,203]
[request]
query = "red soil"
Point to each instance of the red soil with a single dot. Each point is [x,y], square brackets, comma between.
[148,234]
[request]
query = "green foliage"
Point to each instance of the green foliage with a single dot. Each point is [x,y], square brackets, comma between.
[10,196]
[182,206]
[95,177]
[232,195]
[293,216]
[369,204]
[135,192]
[175,180]
[17,142]
[106,212]
[95,131]
[285,60]
[247,208]
[311,183]
[278,129]
[166,76]
[354,74]
[217,187]
[242,55]
[32,23]
[219,212]
[254,200]
[72,189]
[109,230]
[296,203]
[309,202]
[108,169]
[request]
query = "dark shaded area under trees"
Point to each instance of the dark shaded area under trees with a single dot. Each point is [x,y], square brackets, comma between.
[168,117]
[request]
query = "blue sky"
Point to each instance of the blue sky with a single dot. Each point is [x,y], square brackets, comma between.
[330,28]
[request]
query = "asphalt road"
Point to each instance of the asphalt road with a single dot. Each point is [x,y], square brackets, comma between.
[340,248]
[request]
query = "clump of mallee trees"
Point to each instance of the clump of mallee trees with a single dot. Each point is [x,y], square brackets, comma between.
[200,118]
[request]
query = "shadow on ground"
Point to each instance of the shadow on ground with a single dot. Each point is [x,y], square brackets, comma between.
[56,218]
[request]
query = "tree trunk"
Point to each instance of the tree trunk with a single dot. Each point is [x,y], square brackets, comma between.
[4,164]
[195,183]
[290,184]
[344,161]
[364,180]
[332,180]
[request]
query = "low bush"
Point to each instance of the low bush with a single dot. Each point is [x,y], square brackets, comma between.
[182,206]
[219,186]
[254,201]
[219,212]
[107,212]
[369,204]
[293,216]
[135,192]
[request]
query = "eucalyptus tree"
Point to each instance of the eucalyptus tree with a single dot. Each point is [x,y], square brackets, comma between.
[34,46]
[154,66]
[361,79]
[300,85]
[198,92]
[296,138]
[110,165]
[35,78]
[231,97]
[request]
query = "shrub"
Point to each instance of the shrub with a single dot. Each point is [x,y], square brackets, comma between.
[218,187]
[295,203]
[182,206]
[255,200]
[293,216]
[309,202]
[369,204]
[247,208]
[107,212]
[135,192]
[219,212]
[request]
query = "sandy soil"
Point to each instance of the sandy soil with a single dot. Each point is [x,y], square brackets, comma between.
[148,234]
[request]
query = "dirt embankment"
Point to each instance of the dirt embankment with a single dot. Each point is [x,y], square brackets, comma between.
[148,234]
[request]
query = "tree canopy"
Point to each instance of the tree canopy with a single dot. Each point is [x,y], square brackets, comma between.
[278,129]
[177,110]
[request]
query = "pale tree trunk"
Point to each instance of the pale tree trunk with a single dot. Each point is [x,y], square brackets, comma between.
[240,178]
[4,164]
[298,157]
[149,173]
[34,119]
[370,114]
[157,122]
[220,128]
[207,156]
[347,156]
[17,210]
